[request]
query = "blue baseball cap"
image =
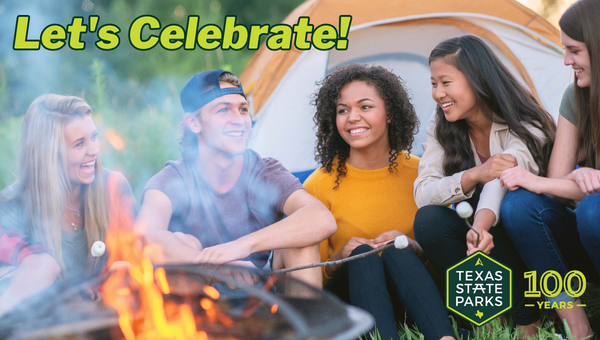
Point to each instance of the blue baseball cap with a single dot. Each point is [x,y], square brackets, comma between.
[203,88]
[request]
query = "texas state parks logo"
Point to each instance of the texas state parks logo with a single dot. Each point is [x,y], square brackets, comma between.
[479,288]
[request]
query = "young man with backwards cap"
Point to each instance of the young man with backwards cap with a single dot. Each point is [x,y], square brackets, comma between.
[222,202]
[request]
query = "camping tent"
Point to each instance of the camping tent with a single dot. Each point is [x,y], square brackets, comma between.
[398,35]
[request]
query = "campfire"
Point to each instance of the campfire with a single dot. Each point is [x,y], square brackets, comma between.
[140,300]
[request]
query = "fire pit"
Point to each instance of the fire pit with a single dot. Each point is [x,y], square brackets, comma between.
[257,312]
[140,301]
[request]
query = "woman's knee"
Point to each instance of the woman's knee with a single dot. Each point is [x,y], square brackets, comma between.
[517,202]
[588,215]
[428,220]
[517,207]
[404,257]
[368,266]
[363,248]
[370,260]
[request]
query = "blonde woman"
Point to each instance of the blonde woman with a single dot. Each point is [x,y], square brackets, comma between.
[60,199]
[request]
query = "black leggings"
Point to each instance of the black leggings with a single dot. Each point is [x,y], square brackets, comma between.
[443,236]
[397,278]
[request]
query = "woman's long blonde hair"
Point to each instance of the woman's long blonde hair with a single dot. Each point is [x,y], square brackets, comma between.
[43,185]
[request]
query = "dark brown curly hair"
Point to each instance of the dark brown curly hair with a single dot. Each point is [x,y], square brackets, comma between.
[401,130]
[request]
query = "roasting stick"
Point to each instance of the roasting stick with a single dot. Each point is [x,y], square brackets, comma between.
[97,250]
[400,242]
[465,210]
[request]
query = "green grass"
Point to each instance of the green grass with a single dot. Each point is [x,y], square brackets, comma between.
[491,331]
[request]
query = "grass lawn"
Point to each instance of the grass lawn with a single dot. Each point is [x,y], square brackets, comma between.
[508,331]
[492,331]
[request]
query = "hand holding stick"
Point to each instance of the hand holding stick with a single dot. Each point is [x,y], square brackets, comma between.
[464,210]
[400,242]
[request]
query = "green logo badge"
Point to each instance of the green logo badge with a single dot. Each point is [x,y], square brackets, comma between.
[479,288]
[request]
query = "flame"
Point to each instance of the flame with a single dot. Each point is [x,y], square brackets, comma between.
[161,278]
[212,292]
[274,309]
[206,304]
[140,281]
[114,139]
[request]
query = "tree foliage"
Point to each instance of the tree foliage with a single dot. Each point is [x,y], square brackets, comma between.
[134,94]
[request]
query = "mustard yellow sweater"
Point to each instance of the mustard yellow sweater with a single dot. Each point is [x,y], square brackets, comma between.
[367,202]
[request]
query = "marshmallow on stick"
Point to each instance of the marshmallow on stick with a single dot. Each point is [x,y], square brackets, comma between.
[465,210]
[400,242]
[98,249]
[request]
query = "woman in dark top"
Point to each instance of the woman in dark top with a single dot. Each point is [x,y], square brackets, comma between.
[60,199]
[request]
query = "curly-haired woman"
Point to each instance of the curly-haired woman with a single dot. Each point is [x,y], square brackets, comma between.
[485,122]
[365,120]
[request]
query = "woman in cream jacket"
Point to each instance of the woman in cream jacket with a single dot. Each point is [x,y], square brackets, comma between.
[486,122]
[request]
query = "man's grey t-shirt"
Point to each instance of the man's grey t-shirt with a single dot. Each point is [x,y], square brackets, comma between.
[255,201]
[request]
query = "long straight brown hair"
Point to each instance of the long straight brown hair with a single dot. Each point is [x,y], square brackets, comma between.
[580,22]
[43,185]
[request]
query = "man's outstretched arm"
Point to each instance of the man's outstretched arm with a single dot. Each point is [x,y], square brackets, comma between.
[308,222]
[154,218]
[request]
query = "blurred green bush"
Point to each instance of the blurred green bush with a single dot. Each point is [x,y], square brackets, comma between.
[134,94]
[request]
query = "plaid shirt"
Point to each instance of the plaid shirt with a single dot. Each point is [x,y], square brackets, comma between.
[14,246]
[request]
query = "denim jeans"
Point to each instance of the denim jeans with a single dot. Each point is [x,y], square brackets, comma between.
[550,236]
[386,285]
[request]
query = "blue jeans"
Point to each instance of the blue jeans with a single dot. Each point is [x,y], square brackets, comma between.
[550,236]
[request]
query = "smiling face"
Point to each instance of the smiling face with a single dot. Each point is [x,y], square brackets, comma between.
[452,91]
[224,124]
[82,149]
[361,118]
[576,56]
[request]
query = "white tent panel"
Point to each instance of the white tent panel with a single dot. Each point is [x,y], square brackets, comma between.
[407,56]
[284,126]
[285,129]
[544,64]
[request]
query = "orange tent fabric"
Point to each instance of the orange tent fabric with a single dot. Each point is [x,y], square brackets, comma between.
[266,69]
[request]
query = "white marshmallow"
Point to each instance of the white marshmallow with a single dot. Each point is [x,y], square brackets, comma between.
[464,210]
[98,249]
[401,242]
